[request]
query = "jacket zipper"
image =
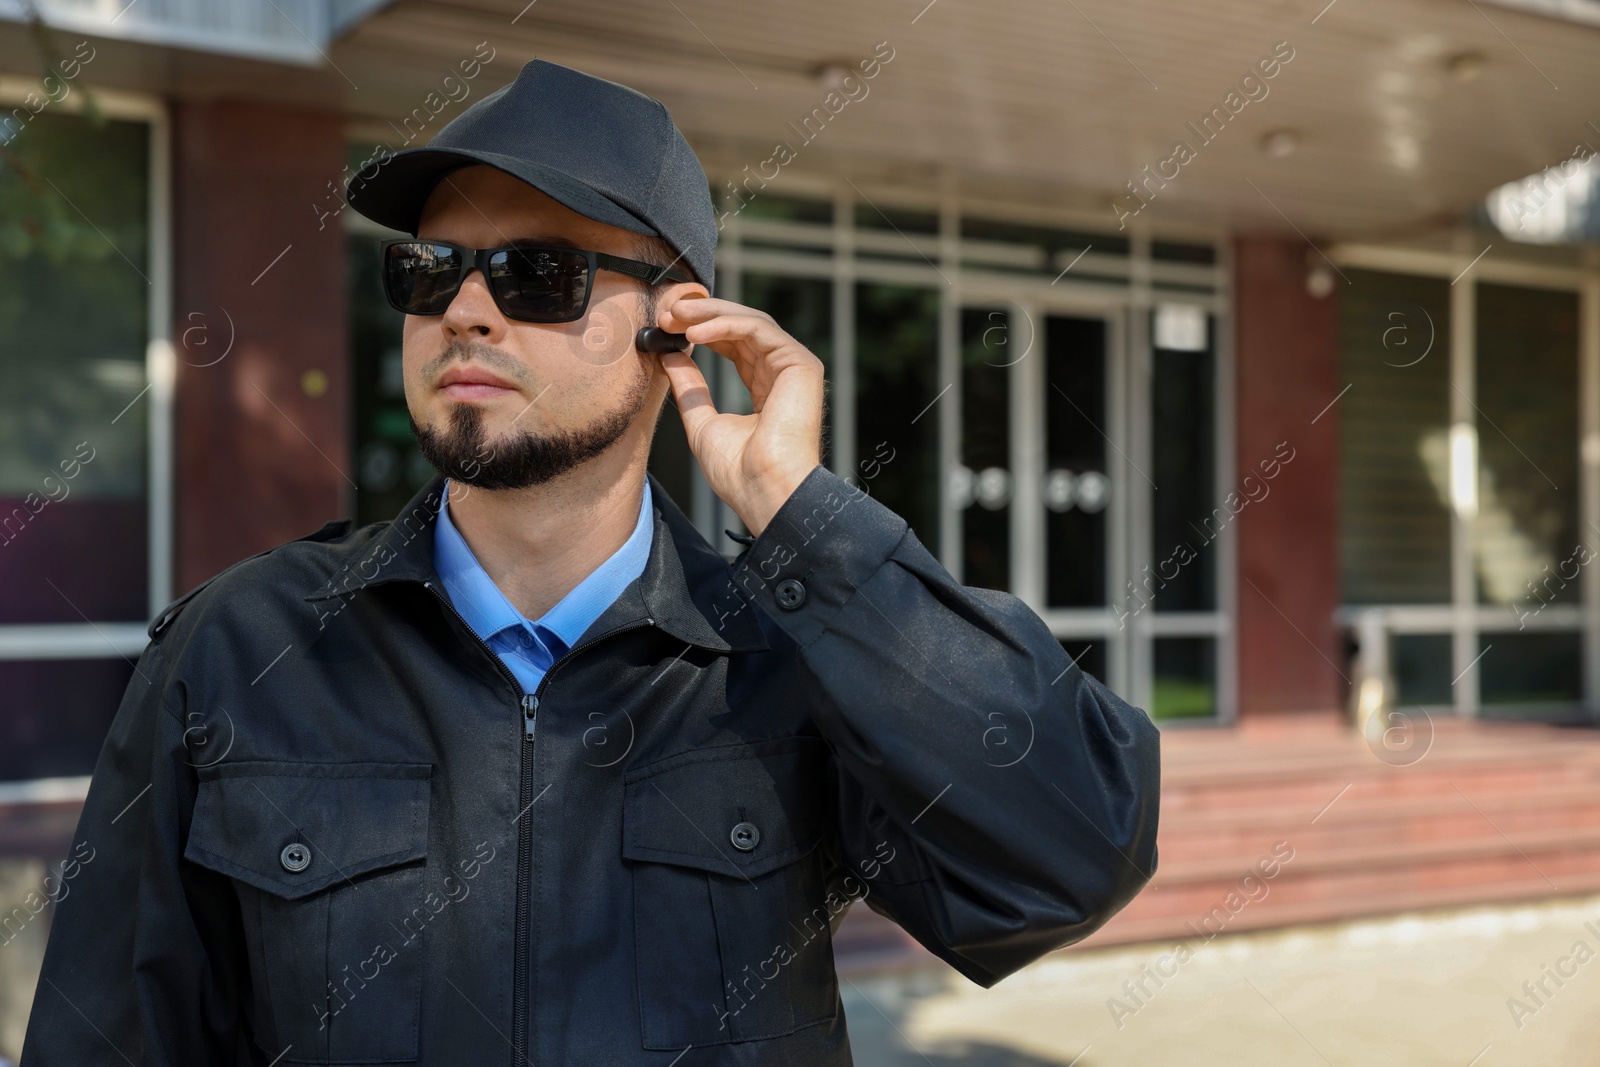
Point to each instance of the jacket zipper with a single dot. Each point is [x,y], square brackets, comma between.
[528,703]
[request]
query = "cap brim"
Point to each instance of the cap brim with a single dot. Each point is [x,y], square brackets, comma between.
[394,194]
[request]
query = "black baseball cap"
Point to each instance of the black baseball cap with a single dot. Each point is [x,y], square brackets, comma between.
[606,151]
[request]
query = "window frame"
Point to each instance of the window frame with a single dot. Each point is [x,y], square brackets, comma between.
[124,640]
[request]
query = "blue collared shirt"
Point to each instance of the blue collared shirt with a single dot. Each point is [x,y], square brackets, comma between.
[528,648]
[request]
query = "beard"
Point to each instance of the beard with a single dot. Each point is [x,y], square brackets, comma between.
[520,459]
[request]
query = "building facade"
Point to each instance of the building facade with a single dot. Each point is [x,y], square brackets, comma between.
[1258,350]
[1227,463]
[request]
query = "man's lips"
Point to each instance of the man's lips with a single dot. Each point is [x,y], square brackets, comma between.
[469,383]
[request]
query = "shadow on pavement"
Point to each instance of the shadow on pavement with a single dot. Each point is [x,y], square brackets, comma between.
[877,1013]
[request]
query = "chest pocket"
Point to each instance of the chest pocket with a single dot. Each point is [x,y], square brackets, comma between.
[732,933]
[327,860]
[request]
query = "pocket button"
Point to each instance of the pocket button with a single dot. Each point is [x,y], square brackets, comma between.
[745,836]
[295,857]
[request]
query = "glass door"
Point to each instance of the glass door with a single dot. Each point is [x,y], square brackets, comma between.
[1036,494]
[1084,480]
[1017,391]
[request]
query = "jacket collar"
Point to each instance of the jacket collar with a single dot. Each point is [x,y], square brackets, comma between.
[682,579]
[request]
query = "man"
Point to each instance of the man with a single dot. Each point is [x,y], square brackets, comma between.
[356,807]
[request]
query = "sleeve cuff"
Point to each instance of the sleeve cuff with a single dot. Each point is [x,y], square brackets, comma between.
[827,539]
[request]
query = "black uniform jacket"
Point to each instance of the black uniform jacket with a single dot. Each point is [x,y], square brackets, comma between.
[328,827]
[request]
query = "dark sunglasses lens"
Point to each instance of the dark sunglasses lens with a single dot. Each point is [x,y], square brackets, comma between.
[421,277]
[540,284]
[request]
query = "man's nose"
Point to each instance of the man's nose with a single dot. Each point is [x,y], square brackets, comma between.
[473,311]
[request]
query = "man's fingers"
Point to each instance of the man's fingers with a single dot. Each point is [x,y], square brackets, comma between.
[740,327]
[690,390]
[739,322]
[690,309]
[743,335]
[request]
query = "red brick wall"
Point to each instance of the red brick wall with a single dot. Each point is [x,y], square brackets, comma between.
[260,459]
[1286,352]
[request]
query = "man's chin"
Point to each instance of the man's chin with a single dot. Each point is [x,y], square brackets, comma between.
[509,461]
[492,414]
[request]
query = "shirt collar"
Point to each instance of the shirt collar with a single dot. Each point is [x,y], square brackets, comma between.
[685,589]
[486,608]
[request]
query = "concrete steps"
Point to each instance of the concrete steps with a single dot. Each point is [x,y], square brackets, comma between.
[1299,822]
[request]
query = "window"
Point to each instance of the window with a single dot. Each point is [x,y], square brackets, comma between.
[897,346]
[1461,488]
[1526,396]
[1394,438]
[389,466]
[1185,507]
[78,248]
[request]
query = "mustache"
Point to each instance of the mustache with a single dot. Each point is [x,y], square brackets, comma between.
[476,352]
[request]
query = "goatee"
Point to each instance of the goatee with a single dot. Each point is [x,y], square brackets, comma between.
[520,459]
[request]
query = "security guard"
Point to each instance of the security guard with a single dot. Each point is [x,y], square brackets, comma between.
[532,774]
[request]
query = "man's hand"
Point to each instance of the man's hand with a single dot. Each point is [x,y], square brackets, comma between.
[753,462]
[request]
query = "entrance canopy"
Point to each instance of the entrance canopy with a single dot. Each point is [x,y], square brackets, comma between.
[1344,119]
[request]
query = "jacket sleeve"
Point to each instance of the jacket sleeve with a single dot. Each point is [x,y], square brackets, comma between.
[143,948]
[992,799]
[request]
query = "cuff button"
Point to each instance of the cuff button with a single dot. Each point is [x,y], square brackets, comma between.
[295,857]
[790,593]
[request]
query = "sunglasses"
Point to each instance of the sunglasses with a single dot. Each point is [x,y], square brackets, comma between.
[529,283]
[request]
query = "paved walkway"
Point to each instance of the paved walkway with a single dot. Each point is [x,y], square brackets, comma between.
[1442,989]
[22,941]
[1427,990]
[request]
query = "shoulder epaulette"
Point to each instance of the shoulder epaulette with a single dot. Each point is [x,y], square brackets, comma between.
[329,531]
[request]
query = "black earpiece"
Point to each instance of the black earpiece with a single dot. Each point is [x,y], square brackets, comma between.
[655,339]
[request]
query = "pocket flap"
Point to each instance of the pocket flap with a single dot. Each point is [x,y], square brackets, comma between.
[689,809]
[348,818]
